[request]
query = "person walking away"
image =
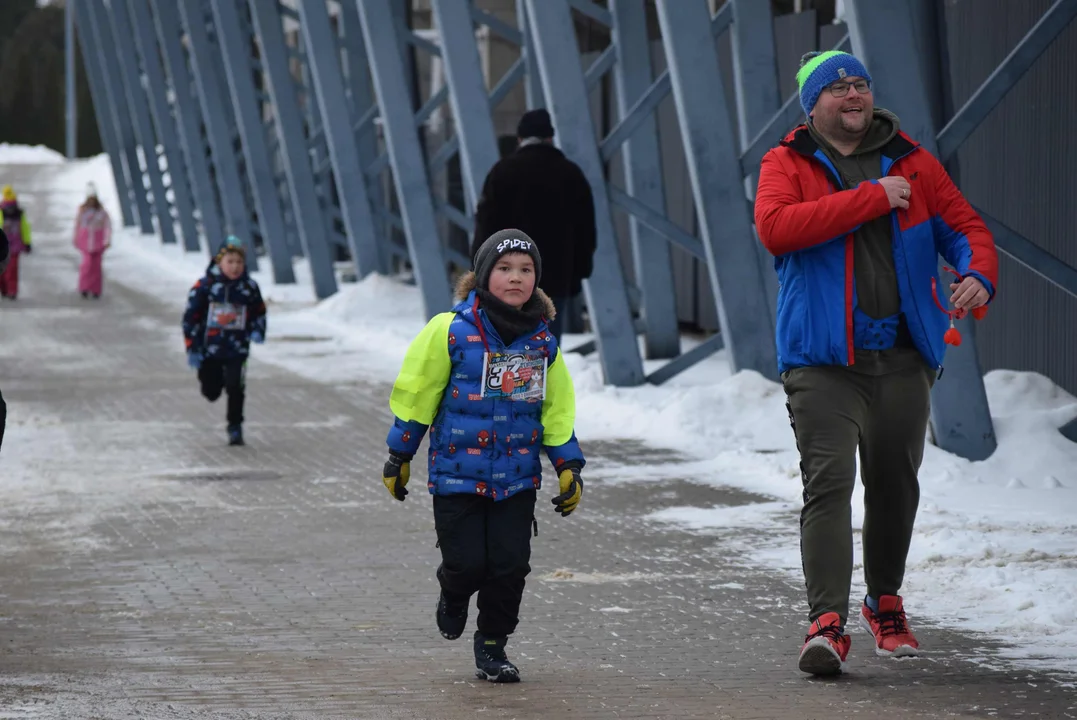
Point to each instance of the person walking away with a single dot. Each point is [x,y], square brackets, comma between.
[4,256]
[93,235]
[856,214]
[17,228]
[489,381]
[225,314]
[544,194]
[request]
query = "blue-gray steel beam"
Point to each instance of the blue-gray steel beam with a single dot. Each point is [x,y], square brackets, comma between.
[653,97]
[536,98]
[643,180]
[189,120]
[106,126]
[146,47]
[71,107]
[324,61]
[310,221]
[95,13]
[567,99]
[657,221]
[883,38]
[136,104]
[717,186]
[1032,256]
[216,114]
[363,106]
[409,170]
[755,81]
[682,362]
[498,26]
[468,98]
[235,47]
[589,9]
[1005,76]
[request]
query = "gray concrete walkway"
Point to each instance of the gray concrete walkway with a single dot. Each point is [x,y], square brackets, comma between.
[147,570]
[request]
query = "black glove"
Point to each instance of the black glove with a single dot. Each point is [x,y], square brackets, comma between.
[395,474]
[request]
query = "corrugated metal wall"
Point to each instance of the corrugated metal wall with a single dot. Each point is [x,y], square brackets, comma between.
[1021,167]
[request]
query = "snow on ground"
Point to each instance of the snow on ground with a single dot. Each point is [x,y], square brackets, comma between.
[30,155]
[994,549]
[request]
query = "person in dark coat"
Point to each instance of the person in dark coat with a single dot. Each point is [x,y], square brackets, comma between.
[3,266]
[541,192]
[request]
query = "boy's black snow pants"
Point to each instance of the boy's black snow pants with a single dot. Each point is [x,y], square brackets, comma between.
[485,548]
[225,375]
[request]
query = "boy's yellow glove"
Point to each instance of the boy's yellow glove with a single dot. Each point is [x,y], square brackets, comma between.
[395,475]
[571,491]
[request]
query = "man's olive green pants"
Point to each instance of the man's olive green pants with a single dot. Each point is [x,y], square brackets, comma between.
[834,411]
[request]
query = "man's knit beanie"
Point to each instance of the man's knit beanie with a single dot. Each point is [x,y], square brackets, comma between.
[501,243]
[819,69]
[535,123]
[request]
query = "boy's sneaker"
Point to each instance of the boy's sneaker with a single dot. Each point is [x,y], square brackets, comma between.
[491,662]
[451,618]
[890,628]
[825,647]
[235,435]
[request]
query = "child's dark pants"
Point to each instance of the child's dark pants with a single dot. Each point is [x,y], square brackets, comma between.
[485,548]
[3,418]
[225,375]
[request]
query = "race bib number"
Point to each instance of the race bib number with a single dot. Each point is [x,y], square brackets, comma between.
[514,376]
[226,316]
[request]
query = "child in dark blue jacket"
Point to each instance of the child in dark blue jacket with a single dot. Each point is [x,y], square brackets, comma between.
[225,314]
[489,382]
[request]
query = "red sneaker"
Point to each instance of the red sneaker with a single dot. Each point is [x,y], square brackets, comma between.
[825,647]
[890,628]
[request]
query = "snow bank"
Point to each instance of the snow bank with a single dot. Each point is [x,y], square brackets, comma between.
[29,155]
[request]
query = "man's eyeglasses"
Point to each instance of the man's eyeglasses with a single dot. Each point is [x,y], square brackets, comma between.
[841,89]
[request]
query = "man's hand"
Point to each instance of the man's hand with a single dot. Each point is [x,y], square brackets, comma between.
[898,191]
[968,294]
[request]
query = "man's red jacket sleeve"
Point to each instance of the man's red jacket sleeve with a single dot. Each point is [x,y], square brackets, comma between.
[786,223]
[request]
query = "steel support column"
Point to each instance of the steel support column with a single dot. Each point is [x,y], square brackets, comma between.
[235,47]
[70,101]
[883,38]
[204,65]
[644,181]
[150,58]
[95,13]
[362,103]
[136,103]
[323,58]
[755,81]
[717,186]
[468,98]
[567,99]
[106,125]
[189,120]
[310,220]
[405,155]
[536,97]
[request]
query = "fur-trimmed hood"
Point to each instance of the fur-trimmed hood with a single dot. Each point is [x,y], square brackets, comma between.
[469,282]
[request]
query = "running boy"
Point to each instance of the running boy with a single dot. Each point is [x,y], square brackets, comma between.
[488,380]
[225,313]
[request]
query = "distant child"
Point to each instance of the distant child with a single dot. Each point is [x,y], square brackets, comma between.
[17,229]
[93,235]
[489,381]
[3,266]
[225,313]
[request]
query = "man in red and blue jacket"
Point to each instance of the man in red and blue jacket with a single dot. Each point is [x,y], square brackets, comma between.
[856,214]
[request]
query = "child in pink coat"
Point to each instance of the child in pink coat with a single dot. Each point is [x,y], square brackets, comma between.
[93,235]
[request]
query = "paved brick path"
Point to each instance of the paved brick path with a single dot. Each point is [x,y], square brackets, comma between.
[161,574]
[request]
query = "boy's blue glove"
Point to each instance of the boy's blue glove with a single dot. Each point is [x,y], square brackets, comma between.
[257,337]
[194,359]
